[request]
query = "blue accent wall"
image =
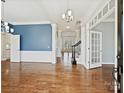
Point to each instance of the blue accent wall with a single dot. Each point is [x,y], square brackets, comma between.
[37,37]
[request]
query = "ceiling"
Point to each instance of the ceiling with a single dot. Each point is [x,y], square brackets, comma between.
[50,10]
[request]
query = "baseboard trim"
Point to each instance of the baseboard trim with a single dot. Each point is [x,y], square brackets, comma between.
[3,59]
[35,62]
[107,63]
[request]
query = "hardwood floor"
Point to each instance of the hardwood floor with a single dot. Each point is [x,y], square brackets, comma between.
[48,78]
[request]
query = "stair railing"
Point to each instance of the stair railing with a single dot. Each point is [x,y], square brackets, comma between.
[73,60]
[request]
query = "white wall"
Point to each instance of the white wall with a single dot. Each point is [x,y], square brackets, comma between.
[108,42]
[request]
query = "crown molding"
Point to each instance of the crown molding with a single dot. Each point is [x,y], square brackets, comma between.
[29,23]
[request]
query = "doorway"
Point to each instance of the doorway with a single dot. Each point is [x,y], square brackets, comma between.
[68,39]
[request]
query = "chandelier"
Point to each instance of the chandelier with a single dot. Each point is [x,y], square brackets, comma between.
[67,16]
[5,26]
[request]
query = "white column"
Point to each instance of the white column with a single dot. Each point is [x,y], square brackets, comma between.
[15,48]
[53,43]
[83,46]
[59,44]
[87,46]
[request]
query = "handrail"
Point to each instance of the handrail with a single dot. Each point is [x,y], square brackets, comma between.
[78,43]
[73,52]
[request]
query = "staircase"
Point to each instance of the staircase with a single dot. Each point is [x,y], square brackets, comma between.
[76,53]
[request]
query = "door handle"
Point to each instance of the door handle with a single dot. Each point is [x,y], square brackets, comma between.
[115,70]
[120,69]
[118,57]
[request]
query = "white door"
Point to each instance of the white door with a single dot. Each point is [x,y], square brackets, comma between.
[95,49]
[15,48]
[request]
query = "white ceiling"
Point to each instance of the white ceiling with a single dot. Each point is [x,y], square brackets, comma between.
[49,10]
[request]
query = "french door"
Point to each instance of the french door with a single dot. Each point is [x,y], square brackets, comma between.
[95,49]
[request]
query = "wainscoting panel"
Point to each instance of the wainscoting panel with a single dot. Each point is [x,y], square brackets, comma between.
[36,56]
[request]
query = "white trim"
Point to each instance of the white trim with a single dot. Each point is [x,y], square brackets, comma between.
[53,36]
[116,47]
[108,63]
[103,18]
[53,43]
[84,65]
[108,20]
[97,10]
[28,23]
[87,38]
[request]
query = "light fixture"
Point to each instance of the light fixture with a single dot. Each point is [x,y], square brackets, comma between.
[5,26]
[5,23]
[67,27]
[69,12]
[11,30]
[67,16]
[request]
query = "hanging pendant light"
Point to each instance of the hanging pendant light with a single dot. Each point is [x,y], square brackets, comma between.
[67,16]
[69,12]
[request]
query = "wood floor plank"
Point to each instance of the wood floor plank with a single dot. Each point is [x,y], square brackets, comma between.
[48,78]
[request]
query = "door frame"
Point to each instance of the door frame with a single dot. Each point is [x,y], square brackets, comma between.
[119,44]
[116,42]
